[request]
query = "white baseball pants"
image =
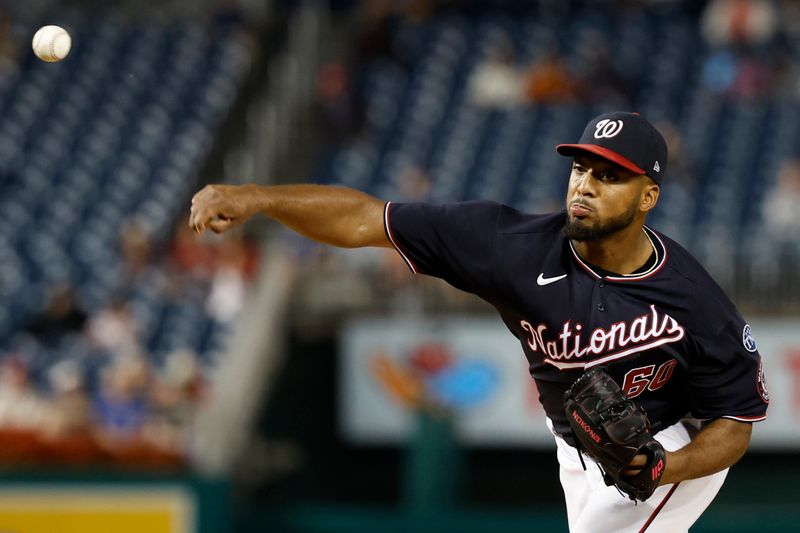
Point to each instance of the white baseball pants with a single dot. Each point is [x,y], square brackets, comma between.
[594,507]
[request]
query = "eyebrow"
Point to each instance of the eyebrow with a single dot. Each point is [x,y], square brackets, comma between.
[607,167]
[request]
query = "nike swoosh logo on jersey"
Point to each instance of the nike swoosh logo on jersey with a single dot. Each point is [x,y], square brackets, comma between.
[542,281]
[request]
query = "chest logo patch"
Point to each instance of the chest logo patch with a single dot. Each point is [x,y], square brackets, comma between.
[542,281]
[748,340]
[572,347]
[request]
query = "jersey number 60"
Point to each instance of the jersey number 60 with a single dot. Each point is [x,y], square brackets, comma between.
[647,377]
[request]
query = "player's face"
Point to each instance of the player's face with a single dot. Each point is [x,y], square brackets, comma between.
[603,198]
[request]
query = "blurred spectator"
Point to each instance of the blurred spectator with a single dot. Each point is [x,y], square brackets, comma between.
[392,30]
[228,284]
[780,205]
[375,25]
[719,71]
[784,73]
[731,22]
[9,54]
[550,82]
[176,394]
[61,316]
[21,408]
[119,407]
[192,256]
[71,404]
[600,81]
[753,78]
[681,165]
[789,18]
[135,248]
[741,73]
[497,81]
[413,185]
[338,103]
[114,329]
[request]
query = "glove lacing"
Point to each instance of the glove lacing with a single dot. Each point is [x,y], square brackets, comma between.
[578,447]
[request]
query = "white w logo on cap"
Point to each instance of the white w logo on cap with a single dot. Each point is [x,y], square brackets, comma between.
[607,128]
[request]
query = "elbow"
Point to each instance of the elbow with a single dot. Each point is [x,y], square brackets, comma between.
[369,229]
[361,236]
[355,237]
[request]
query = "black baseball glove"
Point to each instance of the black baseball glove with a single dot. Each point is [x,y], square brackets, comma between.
[612,430]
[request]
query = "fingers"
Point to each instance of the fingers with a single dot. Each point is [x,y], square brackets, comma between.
[215,207]
[199,219]
[220,225]
[639,460]
[202,210]
[636,465]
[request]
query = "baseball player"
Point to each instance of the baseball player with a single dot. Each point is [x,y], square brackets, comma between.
[591,286]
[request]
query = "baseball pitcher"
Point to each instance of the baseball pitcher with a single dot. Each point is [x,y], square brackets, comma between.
[649,376]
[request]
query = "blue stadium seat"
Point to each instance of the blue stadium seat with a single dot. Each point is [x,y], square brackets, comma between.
[135,115]
[421,116]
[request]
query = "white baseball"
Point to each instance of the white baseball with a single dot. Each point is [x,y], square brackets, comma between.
[51,43]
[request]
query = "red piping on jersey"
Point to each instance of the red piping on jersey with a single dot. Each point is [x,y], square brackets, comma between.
[562,366]
[757,418]
[388,229]
[660,506]
[661,263]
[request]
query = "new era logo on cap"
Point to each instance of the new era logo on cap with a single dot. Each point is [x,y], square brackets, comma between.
[626,139]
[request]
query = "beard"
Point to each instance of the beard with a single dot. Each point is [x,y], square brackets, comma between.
[577,230]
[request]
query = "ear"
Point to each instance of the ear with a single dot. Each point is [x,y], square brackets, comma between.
[650,194]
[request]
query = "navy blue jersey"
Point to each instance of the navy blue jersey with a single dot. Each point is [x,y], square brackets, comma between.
[668,335]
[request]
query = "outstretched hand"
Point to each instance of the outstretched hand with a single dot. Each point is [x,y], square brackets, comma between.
[220,207]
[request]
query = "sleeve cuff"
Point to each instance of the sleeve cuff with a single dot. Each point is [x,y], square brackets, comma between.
[757,418]
[388,228]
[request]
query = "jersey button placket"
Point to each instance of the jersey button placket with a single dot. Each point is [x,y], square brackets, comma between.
[600,284]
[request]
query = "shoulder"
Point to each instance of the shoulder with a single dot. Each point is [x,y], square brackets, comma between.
[512,221]
[504,219]
[457,216]
[682,264]
[690,281]
[472,208]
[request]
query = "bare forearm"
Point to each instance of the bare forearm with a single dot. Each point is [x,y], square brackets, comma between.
[717,446]
[334,215]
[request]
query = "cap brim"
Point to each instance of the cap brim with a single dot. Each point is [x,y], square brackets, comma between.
[605,153]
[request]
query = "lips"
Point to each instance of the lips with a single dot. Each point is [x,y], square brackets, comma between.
[579,210]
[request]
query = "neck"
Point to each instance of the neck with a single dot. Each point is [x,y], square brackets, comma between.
[622,252]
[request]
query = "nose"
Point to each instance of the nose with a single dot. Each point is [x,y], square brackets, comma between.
[586,184]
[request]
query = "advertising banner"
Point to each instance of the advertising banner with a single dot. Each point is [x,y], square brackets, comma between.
[473,369]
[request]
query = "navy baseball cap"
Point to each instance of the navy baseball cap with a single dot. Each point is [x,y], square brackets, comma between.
[626,139]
